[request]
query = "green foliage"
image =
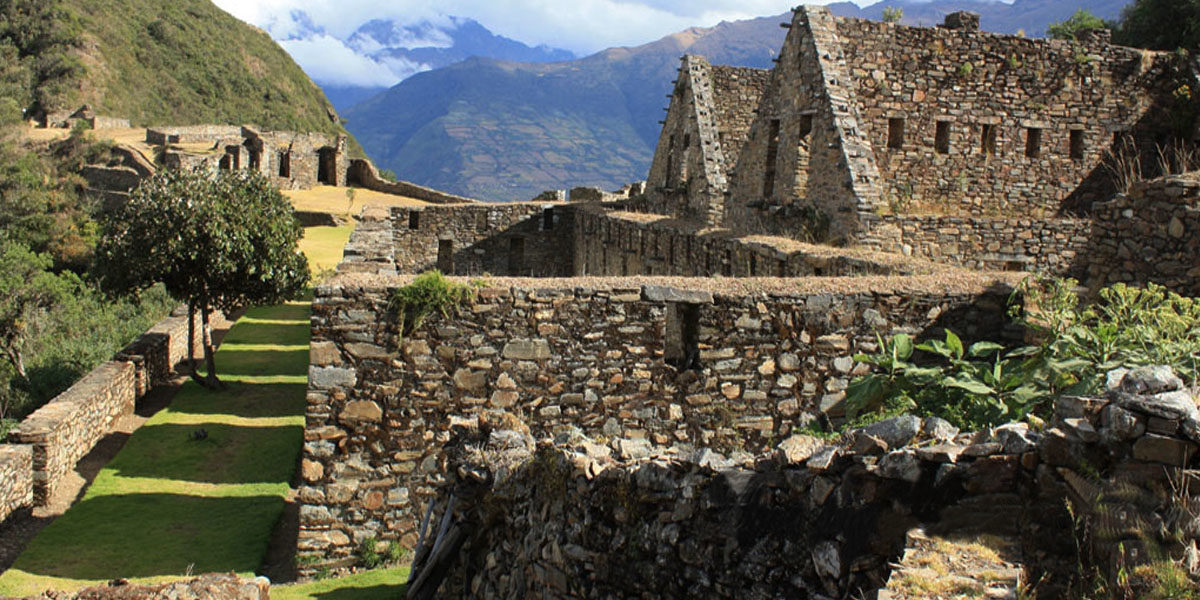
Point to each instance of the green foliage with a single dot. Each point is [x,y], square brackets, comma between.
[966,69]
[429,293]
[39,61]
[1125,327]
[217,241]
[27,293]
[1082,19]
[985,384]
[370,557]
[223,240]
[1160,25]
[892,14]
[387,175]
[39,205]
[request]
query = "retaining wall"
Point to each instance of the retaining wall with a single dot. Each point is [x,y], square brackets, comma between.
[581,518]
[64,430]
[1055,246]
[625,243]
[725,364]
[363,173]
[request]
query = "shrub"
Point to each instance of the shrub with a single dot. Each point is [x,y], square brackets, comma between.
[428,293]
[1075,346]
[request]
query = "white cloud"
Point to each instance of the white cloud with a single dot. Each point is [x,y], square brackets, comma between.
[329,61]
[582,26]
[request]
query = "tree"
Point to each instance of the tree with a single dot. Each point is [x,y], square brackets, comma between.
[1160,25]
[1082,19]
[892,14]
[217,241]
[27,291]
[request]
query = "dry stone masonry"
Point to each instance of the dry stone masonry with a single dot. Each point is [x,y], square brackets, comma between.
[46,445]
[578,517]
[874,133]
[664,362]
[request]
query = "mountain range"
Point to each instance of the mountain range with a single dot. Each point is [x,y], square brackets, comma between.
[505,127]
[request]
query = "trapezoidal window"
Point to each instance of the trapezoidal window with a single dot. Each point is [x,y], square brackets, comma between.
[772,153]
[1075,144]
[987,138]
[327,166]
[941,138]
[414,219]
[896,133]
[516,256]
[445,257]
[805,126]
[285,164]
[548,218]
[1033,142]
[681,347]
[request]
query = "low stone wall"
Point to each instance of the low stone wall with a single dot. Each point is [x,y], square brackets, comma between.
[1055,246]
[363,173]
[66,428]
[1150,235]
[724,364]
[628,243]
[190,134]
[16,478]
[58,434]
[209,587]
[522,239]
[581,518]
[371,247]
[99,122]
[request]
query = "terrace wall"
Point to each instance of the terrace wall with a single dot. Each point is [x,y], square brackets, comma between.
[729,365]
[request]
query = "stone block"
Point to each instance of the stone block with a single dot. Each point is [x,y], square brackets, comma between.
[659,293]
[1165,450]
[537,349]
[324,378]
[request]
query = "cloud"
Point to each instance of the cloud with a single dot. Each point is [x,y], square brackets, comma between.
[582,26]
[327,60]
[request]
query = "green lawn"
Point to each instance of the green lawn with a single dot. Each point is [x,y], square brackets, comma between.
[380,584]
[168,505]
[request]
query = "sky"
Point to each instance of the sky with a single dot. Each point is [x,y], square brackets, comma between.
[581,26]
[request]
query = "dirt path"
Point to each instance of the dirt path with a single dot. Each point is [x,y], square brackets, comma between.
[22,526]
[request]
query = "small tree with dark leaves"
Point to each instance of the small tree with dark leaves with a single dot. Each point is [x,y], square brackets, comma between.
[217,241]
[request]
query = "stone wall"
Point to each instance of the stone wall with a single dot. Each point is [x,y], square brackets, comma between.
[58,434]
[66,428]
[363,173]
[16,478]
[1054,246]
[585,518]
[1150,235]
[687,174]
[966,81]
[190,134]
[624,243]
[515,239]
[806,170]
[722,364]
[213,586]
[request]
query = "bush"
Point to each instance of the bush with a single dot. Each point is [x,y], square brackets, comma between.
[1075,346]
[430,292]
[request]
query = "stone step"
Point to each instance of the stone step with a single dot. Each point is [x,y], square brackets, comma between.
[936,567]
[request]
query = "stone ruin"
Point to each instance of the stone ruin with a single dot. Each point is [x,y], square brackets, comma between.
[664,353]
[291,160]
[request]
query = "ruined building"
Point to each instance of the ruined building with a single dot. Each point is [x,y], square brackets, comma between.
[670,351]
[875,133]
[292,160]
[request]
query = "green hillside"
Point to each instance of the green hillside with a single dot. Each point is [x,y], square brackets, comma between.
[155,62]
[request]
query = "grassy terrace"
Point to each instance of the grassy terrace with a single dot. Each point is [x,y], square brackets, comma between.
[168,505]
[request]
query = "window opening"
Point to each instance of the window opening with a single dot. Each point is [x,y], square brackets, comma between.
[445,258]
[941,138]
[987,139]
[896,133]
[414,219]
[772,152]
[1075,145]
[682,344]
[1033,142]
